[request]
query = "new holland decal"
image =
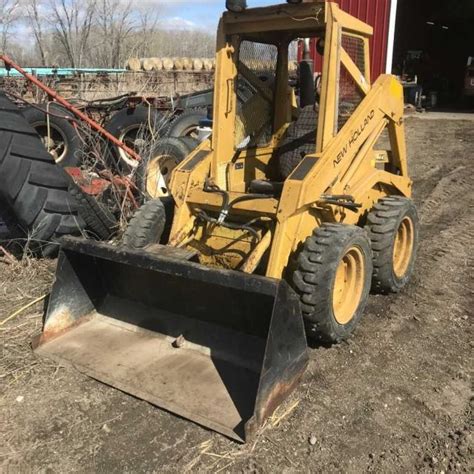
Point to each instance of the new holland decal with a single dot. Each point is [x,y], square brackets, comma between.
[355,135]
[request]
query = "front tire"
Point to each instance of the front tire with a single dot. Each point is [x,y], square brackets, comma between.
[155,170]
[150,225]
[332,277]
[392,226]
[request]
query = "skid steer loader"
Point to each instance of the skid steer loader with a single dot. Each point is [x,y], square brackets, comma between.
[278,227]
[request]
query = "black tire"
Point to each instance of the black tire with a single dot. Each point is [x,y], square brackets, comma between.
[34,188]
[383,224]
[170,152]
[67,146]
[9,229]
[150,224]
[186,124]
[191,142]
[100,222]
[315,275]
[127,123]
[300,140]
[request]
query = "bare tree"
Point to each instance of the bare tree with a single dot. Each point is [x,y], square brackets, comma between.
[97,33]
[9,14]
[115,24]
[72,21]
[36,21]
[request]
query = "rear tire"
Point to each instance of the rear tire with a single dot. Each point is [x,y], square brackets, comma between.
[332,277]
[150,224]
[33,187]
[392,226]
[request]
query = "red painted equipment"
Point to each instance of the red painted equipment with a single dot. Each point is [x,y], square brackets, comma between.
[53,95]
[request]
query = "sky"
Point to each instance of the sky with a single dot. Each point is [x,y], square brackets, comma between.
[201,14]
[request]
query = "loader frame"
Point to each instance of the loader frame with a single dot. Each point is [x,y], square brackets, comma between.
[344,163]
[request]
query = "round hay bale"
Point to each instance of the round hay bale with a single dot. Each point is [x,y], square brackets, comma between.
[147,64]
[207,64]
[178,64]
[157,64]
[187,64]
[293,66]
[133,64]
[168,64]
[198,64]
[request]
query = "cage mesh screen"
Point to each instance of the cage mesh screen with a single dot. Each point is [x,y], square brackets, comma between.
[350,96]
[255,93]
[355,49]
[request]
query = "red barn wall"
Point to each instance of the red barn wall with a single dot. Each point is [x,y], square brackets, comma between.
[376,13]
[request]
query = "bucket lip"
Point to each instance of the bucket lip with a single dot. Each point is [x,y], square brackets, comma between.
[172,266]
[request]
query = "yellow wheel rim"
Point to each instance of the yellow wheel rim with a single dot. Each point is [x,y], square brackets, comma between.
[403,247]
[158,175]
[348,285]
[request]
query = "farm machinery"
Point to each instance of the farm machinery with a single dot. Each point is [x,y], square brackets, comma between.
[274,232]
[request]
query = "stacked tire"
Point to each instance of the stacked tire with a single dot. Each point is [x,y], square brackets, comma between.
[56,132]
[33,188]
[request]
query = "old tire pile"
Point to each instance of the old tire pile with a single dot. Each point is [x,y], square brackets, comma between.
[64,142]
[186,124]
[150,225]
[32,187]
[134,126]
[100,222]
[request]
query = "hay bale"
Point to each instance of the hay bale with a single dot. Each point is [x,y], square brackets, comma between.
[157,64]
[207,64]
[168,64]
[178,64]
[187,64]
[293,66]
[147,64]
[133,64]
[198,64]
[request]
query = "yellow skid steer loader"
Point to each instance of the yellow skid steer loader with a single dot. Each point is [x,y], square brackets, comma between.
[278,227]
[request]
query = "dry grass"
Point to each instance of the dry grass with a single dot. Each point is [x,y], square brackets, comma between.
[23,285]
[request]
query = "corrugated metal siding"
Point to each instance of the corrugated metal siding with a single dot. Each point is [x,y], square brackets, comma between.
[377,14]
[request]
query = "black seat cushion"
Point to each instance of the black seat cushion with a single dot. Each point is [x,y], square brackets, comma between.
[300,140]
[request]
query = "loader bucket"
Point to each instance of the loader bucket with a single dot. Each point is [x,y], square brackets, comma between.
[218,347]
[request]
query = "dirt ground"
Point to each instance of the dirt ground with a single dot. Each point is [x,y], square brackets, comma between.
[396,398]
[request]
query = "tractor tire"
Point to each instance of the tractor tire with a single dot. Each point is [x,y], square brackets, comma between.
[299,141]
[151,224]
[132,126]
[332,277]
[100,222]
[155,169]
[9,229]
[191,142]
[65,143]
[33,187]
[186,124]
[392,226]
